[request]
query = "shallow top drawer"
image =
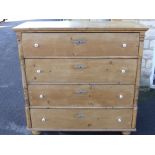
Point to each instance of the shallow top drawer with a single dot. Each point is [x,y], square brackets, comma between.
[79,44]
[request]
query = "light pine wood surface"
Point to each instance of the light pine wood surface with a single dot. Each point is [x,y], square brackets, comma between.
[81,71]
[81,95]
[80,44]
[81,118]
[81,76]
[59,26]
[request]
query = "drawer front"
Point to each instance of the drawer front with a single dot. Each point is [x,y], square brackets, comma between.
[81,70]
[80,44]
[81,95]
[81,118]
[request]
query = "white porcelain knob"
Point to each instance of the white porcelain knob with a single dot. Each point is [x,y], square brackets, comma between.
[120,96]
[36,45]
[41,96]
[123,71]
[38,71]
[43,119]
[119,120]
[124,45]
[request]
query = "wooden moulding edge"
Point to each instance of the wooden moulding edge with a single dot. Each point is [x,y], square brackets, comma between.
[41,129]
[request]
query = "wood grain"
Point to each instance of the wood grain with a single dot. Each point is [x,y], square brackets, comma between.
[24,81]
[81,118]
[80,44]
[77,67]
[91,71]
[81,95]
[86,130]
[69,26]
[137,84]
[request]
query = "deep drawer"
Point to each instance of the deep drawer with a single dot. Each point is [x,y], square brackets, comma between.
[81,118]
[81,95]
[115,71]
[79,44]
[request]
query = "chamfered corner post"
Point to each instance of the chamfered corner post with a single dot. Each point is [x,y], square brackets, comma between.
[24,82]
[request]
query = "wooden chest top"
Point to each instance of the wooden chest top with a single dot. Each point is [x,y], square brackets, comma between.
[80,26]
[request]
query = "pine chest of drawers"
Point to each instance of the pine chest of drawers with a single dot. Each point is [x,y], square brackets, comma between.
[80,76]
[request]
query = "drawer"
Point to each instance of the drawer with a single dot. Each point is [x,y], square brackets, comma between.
[79,44]
[117,71]
[81,95]
[81,118]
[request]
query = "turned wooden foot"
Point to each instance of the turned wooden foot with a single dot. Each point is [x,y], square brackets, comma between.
[36,132]
[126,132]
